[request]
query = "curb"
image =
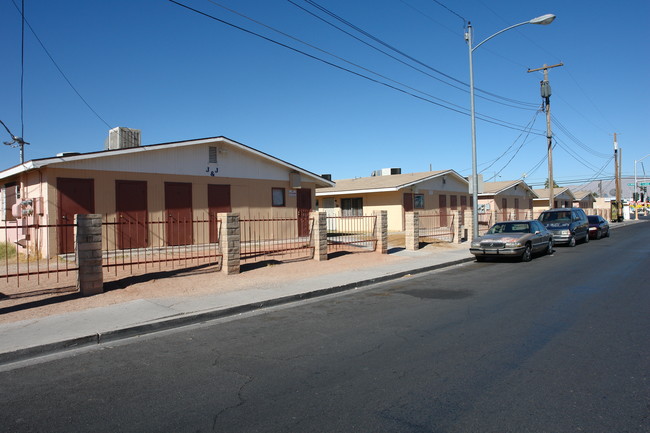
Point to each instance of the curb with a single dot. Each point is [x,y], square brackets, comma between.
[180,320]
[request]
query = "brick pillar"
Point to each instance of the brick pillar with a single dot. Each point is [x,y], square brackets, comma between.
[88,253]
[319,235]
[412,236]
[381,231]
[469,225]
[230,242]
[458,228]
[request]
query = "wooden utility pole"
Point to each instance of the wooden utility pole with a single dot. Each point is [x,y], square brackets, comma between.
[545,88]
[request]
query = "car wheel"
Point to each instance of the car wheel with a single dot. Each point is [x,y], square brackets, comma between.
[586,238]
[599,234]
[572,242]
[480,258]
[527,254]
[549,248]
[607,235]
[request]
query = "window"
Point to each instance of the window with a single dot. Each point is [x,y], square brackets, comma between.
[418,201]
[352,206]
[277,197]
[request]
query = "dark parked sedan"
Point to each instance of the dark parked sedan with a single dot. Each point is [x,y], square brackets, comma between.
[598,227]
[513,239]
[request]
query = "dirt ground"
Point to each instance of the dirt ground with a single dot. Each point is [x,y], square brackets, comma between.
[31,301]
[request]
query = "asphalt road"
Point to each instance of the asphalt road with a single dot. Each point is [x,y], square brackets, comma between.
[560,344]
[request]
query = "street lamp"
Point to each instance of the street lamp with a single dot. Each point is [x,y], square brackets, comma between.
[544,19]
[636,188]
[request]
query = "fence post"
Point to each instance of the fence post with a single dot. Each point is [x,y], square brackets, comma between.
[469,224]
[381,231]
[319,236]
[412,236]
[458,235]
[88,253]
[230,242]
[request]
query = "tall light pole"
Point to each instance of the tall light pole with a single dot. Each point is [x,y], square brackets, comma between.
[544,19]
[636,188]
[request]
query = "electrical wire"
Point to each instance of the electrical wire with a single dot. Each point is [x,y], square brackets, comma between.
[59,68]
[573,138]
[444,6]
[482,117]
[530,126]
[398,51]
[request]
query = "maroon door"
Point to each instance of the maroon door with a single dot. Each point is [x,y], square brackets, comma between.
[504,209]
[75,196]
[218,201]
[304,208]
[178,207]
[442,205]
[517,210]
[131,208]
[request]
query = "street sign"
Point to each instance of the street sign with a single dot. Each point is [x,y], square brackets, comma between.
[644,183]
[630,184]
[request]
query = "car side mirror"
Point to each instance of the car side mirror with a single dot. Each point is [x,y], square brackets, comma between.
[537,232]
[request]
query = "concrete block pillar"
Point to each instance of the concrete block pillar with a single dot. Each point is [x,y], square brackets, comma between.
[230,242]
[88,254]
[381,231]
[458,228]
[469,225]
[319,235]
[412,235]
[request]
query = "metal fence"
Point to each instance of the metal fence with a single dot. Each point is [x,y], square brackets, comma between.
[276,238]
[351,233]
[484,223]
[436,227]
[25,262]
[142,245]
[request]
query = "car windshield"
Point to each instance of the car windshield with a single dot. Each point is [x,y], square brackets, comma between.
[556,217]
[509,228]
[593,219]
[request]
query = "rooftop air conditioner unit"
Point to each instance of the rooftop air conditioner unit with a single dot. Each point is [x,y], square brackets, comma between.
[122,138]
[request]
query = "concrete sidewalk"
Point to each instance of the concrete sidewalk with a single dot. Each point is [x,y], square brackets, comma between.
[46,335]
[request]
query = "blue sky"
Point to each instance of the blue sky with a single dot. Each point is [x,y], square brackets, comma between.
[177,75]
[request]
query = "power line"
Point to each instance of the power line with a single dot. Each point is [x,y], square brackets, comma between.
[398,51]
[530,125]
[573,138]
[58,68]
[459,16]
[482,117]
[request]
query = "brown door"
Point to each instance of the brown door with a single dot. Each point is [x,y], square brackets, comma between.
[218,201]
[75,196]
[178,207]
[504,209]
[131,208]
[442,205]
[304,208]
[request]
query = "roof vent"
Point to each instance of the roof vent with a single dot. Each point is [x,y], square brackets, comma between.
[122,138]
[326,176]
[63,154]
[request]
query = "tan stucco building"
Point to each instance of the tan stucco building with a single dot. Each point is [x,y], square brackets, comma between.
[434,191]
[165,182]
[563,197]
[510,200]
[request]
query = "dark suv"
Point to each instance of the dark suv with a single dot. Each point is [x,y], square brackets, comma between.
[568,225]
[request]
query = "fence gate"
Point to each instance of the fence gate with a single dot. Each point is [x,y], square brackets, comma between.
[353,234]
